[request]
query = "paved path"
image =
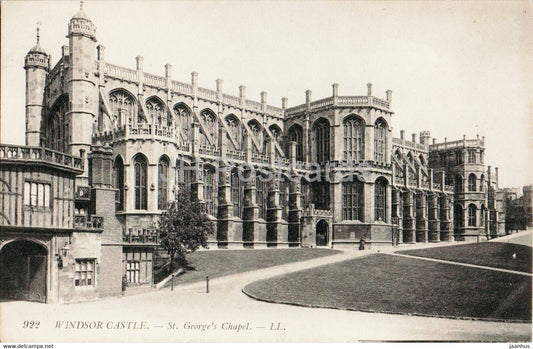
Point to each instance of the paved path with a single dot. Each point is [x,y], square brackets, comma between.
[522,238]
[459,263]
[188,314]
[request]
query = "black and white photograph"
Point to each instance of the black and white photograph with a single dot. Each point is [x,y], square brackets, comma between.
[266,172]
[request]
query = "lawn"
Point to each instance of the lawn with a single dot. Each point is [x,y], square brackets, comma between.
[386,283]
[490,254]
[226,262]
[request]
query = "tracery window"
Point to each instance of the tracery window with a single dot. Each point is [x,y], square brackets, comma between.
[296,135]
[354,139]
[380,141]
[162,183]
[210,123]
[237,193]
[352,200]
[140,166]
[234,127]
[472,182]
[322,140]
[261,195]
[57,133]
[157,113]
[118,168]
[122,106]
[183,113]
[380,200]
[210,191]
[321,196]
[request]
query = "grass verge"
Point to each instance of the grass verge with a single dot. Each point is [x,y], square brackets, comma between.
[395,284]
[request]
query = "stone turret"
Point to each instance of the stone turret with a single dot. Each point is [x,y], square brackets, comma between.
[82,84]
[37,65]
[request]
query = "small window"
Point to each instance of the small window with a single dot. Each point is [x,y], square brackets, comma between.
[133,271]
[37,194]
[84,272]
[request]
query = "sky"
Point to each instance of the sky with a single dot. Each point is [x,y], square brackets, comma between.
[455,68]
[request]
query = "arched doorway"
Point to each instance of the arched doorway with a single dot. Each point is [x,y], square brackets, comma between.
[322,228]
[23,271]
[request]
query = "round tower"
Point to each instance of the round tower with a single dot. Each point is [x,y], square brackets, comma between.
[82,86]
[37,66]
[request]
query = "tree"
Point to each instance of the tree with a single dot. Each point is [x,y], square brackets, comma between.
[184,227]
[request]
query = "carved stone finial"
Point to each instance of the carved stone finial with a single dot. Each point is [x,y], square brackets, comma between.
[81,5]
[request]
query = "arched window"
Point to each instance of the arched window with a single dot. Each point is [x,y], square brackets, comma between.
[482,183]
[380,200]
[458,184]
[261,195]
[380,141]
[322,140]
[157,113]
[295,134]
[237,193]
[353,200]
[140,166]
[210,123]
[354,139]
[210,191]
[482,216]
[321,196]
[162,183]
[234,127]
[122,106]
[472,211]
[257,132]
[472,182]
[183,113]
[57,134]
[458,221]
[118,170]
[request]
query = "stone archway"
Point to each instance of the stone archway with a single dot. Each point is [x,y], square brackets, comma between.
[23,271]
[322,230]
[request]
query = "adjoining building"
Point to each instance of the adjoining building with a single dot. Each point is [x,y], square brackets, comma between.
[324,173]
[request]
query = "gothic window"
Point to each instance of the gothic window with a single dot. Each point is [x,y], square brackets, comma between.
[122,107]
[459,157]
[118,168]
[157,113]
[354,139]
[322,140]
[237,193]
[471,156]
[234,127]
[140,166]
[183,113]
[210,122]
[352,200]
[162,184]
[57,133]
[296,135]
[482,183]
[482,216]
[261,195]
[472,182]
[321,194]
[472,210]
[380,141]
[210,191]
[458,184]
[380,200]
[257,132]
